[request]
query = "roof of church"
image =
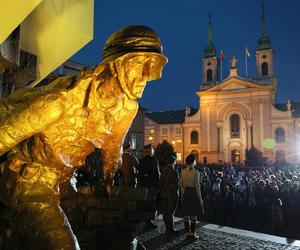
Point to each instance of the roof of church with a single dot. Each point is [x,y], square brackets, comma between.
[295,108]
[168,117]
[267,81]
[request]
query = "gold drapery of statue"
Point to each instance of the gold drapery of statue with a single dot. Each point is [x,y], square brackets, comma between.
[49,131]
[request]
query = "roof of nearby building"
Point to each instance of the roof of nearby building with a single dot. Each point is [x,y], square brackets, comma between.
[168,117]
[295,108]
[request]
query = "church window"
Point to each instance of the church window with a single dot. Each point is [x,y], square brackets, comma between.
[235,126]
[264,69]
[264,56]
[194,137]
[279,135]
[209,75]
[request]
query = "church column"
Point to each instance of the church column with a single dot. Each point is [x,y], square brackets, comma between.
[220,140]
[249,124]
[220,136]
[248,136]
[208,129]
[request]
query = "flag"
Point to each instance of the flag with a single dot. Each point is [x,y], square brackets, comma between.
[222,56]
[247,52]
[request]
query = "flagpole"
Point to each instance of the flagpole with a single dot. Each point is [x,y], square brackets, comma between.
[221,66]
[246,62]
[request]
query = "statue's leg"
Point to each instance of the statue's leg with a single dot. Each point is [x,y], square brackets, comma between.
[44,225]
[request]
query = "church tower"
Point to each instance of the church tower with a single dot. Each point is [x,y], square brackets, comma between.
[210,63]
[264,54]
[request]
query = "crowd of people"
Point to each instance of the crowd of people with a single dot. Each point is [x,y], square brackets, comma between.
[265,199]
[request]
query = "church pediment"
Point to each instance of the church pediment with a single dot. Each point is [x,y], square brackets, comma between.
[234,84]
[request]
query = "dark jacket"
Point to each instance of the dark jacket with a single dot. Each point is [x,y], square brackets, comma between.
[168,189]
[148,172]
[129,169]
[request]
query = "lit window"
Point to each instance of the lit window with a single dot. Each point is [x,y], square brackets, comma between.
[164,131]
[178,156]
[178,131]
[194,137]
[178,142]
[151,131]
[235,126]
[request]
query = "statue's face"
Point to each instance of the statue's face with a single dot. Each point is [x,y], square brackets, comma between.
[138,68]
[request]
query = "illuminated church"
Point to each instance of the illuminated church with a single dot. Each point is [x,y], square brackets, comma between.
[234,114]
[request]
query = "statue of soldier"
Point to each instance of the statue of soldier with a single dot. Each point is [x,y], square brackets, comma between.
[48,132]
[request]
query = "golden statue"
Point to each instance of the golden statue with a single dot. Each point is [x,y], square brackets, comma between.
[49,131]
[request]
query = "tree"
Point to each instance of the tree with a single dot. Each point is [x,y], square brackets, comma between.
[163,151]
[254,158]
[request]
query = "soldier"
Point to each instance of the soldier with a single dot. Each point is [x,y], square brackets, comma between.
[168,189]
[129,166]
[148,177]
[49,131]
[148,172]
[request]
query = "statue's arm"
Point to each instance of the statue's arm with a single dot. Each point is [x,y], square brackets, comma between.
[112,149]
[23,117]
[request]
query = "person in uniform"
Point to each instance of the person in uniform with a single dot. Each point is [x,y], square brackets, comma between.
[129,166]
[148,172]
[168,190]
[148,177]
[192,202]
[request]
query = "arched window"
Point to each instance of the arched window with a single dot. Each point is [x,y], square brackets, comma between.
[279,135]
[209,75]
[196,154]
[194,137]
[235,126]
[264,69]
[280,155]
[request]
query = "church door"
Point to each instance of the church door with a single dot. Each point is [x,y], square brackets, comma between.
[235,156]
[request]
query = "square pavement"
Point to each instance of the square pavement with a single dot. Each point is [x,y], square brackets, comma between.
[214,237]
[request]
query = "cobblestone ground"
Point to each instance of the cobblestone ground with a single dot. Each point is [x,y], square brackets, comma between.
[210,239]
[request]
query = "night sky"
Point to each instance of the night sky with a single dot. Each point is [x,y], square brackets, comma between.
[182,28]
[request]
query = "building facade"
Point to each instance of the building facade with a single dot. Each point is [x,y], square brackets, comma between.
[234,114]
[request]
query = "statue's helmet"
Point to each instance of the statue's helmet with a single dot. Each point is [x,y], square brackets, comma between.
[131,39]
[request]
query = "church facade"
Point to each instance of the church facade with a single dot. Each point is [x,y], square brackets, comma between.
[234,114]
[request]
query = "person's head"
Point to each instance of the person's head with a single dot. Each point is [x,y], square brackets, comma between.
[226,188]
[148,149]
[261,183]
[171,160]
[127,147]
[190,160]
[135,54]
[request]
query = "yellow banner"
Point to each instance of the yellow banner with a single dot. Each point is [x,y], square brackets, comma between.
[13,12]
[53,31]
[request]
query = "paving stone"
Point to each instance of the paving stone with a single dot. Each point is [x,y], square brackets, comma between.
[210,239]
